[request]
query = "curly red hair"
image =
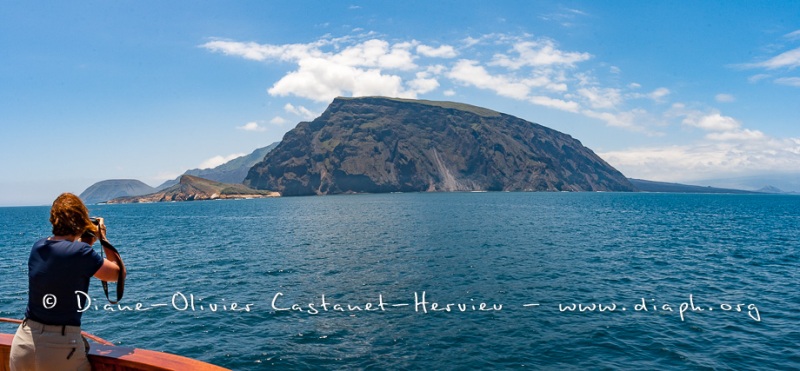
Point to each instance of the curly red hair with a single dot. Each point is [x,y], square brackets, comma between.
[70,217]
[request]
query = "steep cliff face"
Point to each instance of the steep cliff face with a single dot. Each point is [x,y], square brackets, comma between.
[376,144]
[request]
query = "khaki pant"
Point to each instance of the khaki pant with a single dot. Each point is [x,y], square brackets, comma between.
[39,347]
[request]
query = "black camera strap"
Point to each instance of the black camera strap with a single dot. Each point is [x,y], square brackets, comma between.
[116,258]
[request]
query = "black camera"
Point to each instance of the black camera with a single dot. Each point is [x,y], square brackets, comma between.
[87,235]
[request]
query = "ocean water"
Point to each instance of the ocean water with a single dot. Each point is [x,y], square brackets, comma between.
[448,280]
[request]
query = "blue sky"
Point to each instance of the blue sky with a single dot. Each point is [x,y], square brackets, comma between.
[663,90]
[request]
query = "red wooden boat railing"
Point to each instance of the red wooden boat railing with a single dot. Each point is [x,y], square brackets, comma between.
[104,356]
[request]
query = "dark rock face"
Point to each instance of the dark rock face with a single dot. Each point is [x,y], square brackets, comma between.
[376,144]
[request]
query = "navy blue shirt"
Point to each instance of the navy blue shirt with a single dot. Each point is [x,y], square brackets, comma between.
[56,269]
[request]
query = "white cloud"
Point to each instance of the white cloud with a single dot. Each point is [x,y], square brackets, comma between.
[789,59]
[325,71]
[658,94]
[576,11]
[471,41]
[541,74]
[301,111]
[712,122]
[536,54]
[786,61]
[708,160]
[584,79]
[791,81]
[471,73]
[422,85]
[724,98]
[601,97]
[565,17]
[436,69]
[218,160]
[533,71]
[263,52]
[720,128]
[277,120]
[332,67]
[322,80]
[444,51]
[756,78]
[520,67]
[630,120]
[555,103]
[736,135]
[251,126]
[376,54]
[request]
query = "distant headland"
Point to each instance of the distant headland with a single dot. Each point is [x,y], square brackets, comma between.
[192,188]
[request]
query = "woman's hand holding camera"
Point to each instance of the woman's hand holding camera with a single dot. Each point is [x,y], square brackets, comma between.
[89,237]
[101,228]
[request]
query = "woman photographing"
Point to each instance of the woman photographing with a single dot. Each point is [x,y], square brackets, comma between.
[49,337]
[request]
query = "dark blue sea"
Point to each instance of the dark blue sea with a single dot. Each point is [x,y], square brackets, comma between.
[448,280]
